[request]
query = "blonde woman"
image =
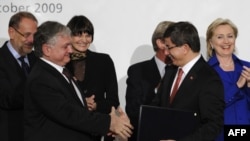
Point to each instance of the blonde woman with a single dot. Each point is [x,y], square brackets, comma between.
[234,72]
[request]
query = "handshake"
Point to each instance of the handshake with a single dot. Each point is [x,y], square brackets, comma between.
[120,126]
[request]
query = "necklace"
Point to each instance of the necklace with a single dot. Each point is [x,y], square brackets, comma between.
[227,65]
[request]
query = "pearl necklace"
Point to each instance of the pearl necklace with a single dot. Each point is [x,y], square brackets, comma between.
[227,65]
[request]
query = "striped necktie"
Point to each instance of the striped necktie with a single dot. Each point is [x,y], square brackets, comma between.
[25,67]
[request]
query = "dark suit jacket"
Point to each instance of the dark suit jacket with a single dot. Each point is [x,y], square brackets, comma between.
[100,80]
[12,81]
[53,112]
[142,80]
[201,91]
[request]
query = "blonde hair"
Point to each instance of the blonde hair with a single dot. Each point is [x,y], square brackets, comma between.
[210,32]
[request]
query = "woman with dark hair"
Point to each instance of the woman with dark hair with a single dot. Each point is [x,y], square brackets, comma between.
[94,72]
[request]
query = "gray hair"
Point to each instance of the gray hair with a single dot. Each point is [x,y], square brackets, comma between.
[159,32]
[48,33]
[17,18]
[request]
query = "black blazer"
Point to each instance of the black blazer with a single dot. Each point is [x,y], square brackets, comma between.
[143,78]
[201,92]
[100,80]
[53,112]
[12,81]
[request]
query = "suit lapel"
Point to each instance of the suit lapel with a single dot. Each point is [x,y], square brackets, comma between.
[167,84]
[11,61]
[68,89]
[153,72]
[32,59]
[82,94]
[190,78]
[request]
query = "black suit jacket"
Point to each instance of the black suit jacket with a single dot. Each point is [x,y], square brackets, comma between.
[201,91]
[53,112]
[100,80]
[143,78]
[12,81]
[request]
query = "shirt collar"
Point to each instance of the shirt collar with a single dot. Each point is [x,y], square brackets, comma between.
[160,65]
[213,61]
[57,67]
[13,51]
[186,68]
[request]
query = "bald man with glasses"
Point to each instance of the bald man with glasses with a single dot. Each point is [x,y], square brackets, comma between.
[16,60]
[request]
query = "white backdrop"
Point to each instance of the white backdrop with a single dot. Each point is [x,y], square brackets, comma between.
[123,28]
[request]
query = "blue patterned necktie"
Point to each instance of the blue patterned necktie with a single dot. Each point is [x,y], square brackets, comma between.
[25,67]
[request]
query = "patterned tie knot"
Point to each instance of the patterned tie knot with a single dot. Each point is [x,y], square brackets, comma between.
[24,65]
[78,56]
[67,73]
[22,59]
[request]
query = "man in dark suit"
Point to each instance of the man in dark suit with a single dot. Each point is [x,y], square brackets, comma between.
[22,27]
[55,109]
[200,88]
[144,77]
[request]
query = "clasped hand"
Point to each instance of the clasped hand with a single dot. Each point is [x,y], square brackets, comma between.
[120,126]
[244,77]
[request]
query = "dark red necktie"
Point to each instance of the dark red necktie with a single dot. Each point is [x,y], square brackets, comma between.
[67,74]
[176,85]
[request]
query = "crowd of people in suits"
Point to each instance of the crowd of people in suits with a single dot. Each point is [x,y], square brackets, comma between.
[53,87]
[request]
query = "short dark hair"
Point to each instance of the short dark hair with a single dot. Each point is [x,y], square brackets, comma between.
[81,24]
[184,33]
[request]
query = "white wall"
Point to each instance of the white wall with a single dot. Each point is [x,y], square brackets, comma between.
[123,28]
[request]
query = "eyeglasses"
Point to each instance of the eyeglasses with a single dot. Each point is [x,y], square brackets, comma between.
[26,35]
[169,48]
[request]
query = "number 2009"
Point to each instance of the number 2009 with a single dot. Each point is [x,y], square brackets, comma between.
[48,8]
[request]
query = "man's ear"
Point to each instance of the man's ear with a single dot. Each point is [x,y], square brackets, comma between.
[46,49]
[11,32]
[160,44]
[186,47]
